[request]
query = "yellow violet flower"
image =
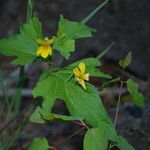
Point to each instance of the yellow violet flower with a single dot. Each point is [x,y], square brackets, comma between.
[45,49]
[80,75]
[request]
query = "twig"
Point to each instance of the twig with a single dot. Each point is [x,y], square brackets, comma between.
[81,124]
[53,148]
[75,133]
[119,98]
[69,137]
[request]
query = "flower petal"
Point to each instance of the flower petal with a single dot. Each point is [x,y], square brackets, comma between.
[86,76]
[76,71]
[45,51]
[49,41]
[83,84]
[41,42]
[82,67]
[39,50]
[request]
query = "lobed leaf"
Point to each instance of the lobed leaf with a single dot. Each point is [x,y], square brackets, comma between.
[49,88]
[67,32]
[73,30]
[23,46]
[86,104]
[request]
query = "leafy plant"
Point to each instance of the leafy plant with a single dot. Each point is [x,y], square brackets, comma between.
[69,83]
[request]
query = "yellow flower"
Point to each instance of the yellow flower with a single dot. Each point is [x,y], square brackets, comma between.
[80,75]
[45,49]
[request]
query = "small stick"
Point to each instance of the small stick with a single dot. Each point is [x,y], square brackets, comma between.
[119,99]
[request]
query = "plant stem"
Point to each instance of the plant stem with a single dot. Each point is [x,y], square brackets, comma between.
[3,87]
[105,50]
[75,133]
[30,10]
[119,98]
[18,93]
[86,19]
[17,97]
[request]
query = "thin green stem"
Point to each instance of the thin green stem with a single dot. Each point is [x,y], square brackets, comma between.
[86,19]
[105,50]
[18,93]
[29,10]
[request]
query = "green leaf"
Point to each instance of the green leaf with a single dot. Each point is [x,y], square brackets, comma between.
[33,30]
[95,72]
[126,61]
[62,118]
[85,104]
[123,144]
[90,62]
[73,30]
[67,32]
[36,116]
[50,88]
[109,129]
[23,46]
[95,139]
[133,89]
[39,144]
[64,46]
[40,116]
